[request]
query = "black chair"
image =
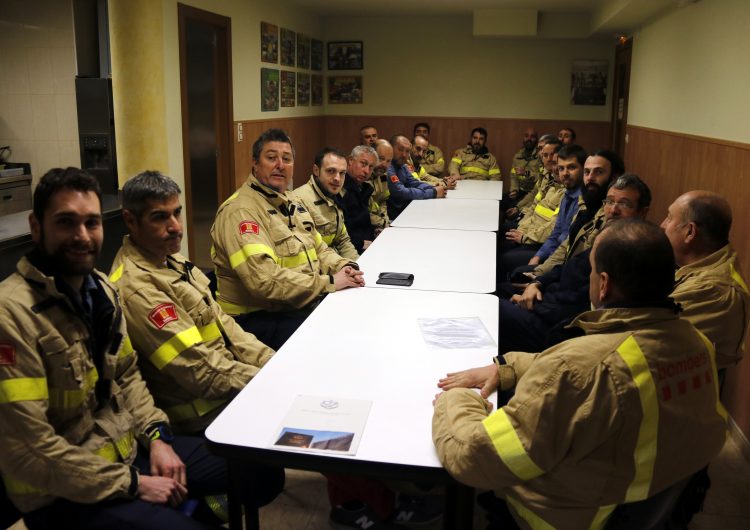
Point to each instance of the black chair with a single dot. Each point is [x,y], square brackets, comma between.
[8,512]
[649,514]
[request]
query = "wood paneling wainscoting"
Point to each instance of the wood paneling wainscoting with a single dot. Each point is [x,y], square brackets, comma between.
[673,163]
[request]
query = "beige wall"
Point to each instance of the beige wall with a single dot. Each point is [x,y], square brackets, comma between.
[446,71]
[37,84]
[690,73]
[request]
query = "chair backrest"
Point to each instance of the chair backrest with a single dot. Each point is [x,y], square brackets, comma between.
[648,514]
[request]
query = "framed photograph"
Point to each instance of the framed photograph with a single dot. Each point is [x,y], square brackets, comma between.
[269,43]
[288,88]
[316,89]
[316,54]
[588,82]
[345,55]
[269,89]
[303,51]
[303,89]
[345,89]
[288,47]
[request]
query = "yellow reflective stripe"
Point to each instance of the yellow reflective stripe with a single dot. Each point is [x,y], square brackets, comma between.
[18,487]
[494,171]
[318,238]
[117,274]
[195,409]
[234,309]
[533,520]
[343,230]
[414,174]
[210,331]
[602,516]
[121,447]
[23,389]
[738,278]
[126,348]
[165,353]
[509,447]
[74,398]
[249,250]
[720,410]
[645,449]
[231,197]
[329,239]
[440,161]
[213,252]
[546,212]
[475,169]
[538,196]
[456,160]
[302,258]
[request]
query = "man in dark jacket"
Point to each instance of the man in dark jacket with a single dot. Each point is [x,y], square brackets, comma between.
[357,192]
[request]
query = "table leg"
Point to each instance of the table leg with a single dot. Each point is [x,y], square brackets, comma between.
[241,517]
[459,507]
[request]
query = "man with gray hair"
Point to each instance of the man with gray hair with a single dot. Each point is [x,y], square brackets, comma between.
[710,288]
[357,193]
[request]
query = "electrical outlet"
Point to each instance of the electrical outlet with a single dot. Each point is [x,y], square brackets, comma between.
[240,135]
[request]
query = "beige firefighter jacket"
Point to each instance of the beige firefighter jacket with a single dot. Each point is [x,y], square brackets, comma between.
[715,298]
[328,218]
[194,356]
[584,240]
[609,418]
[537,224]
[543,183]
[268,254]
[471,166]
[379,201]
[531,164]
[433,162]
[58,439]
[424,176]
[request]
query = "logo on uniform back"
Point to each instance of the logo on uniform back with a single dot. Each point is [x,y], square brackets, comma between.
[7,353]
[162,315]
[249,227]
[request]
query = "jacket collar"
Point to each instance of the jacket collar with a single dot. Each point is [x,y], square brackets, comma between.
[612,319]
[273,197]
[724,255]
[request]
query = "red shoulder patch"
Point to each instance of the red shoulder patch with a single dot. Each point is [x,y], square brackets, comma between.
[162,315]
[249,227]
[7,353]
[394,178]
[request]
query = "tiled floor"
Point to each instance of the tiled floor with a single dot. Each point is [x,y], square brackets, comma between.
[304,503]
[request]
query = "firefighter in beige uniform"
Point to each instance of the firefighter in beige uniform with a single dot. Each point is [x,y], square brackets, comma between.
[710,288]
[379,180]
[271,263]
[73,406]
[609,418]
[537,224]
[525,168]
[321,196]
[474,161]
[419,147]
[433,161]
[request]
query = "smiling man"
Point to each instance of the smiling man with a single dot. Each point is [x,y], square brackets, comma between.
[321,195]
[272,265]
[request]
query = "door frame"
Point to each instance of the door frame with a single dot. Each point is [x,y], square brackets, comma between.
[223,105]
[623,55]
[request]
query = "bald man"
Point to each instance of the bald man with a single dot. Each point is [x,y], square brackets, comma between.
[709,286]
[403,186]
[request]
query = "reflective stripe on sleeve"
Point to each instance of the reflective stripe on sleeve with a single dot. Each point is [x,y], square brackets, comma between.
[74,398]
[290,262]
[249,250]
[645,449]
[533,520]
[440,161]
[456,160]
[117,274]
[120,448]
[546,212]
[210,331]
[126,348]
[602,516]
[474,169]
[23,389]
[509,447]
[165,353]
[235,309]
[329,239]
[195,409]
[318,238]
[738,278]
[494,171]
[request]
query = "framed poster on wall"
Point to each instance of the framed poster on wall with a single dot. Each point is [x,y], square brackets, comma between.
[269,89]
[345,55]
[269,42]
[288,88]
[588,82]
[288,47]
[316,89]
[303,89]
[303,51]
[316,54]
[345,89]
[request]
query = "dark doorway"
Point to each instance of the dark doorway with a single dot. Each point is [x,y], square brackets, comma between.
[623,54]
[206,90]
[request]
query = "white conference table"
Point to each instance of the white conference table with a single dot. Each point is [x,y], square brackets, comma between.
[454,214]
[360,344]
[477,189]
[441,260]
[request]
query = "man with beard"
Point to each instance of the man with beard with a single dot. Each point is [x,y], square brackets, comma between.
[570,161]
[523,175]
[474,161]
[368,135]
[356,196]
[322,198]
[379,181]
[419,147]
[272,266]
[566,136]
[74,408]
[432,160]
[403,187]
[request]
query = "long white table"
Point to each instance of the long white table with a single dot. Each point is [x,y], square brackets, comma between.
[359,344]
[454,214]
[477,189]
[441,260]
